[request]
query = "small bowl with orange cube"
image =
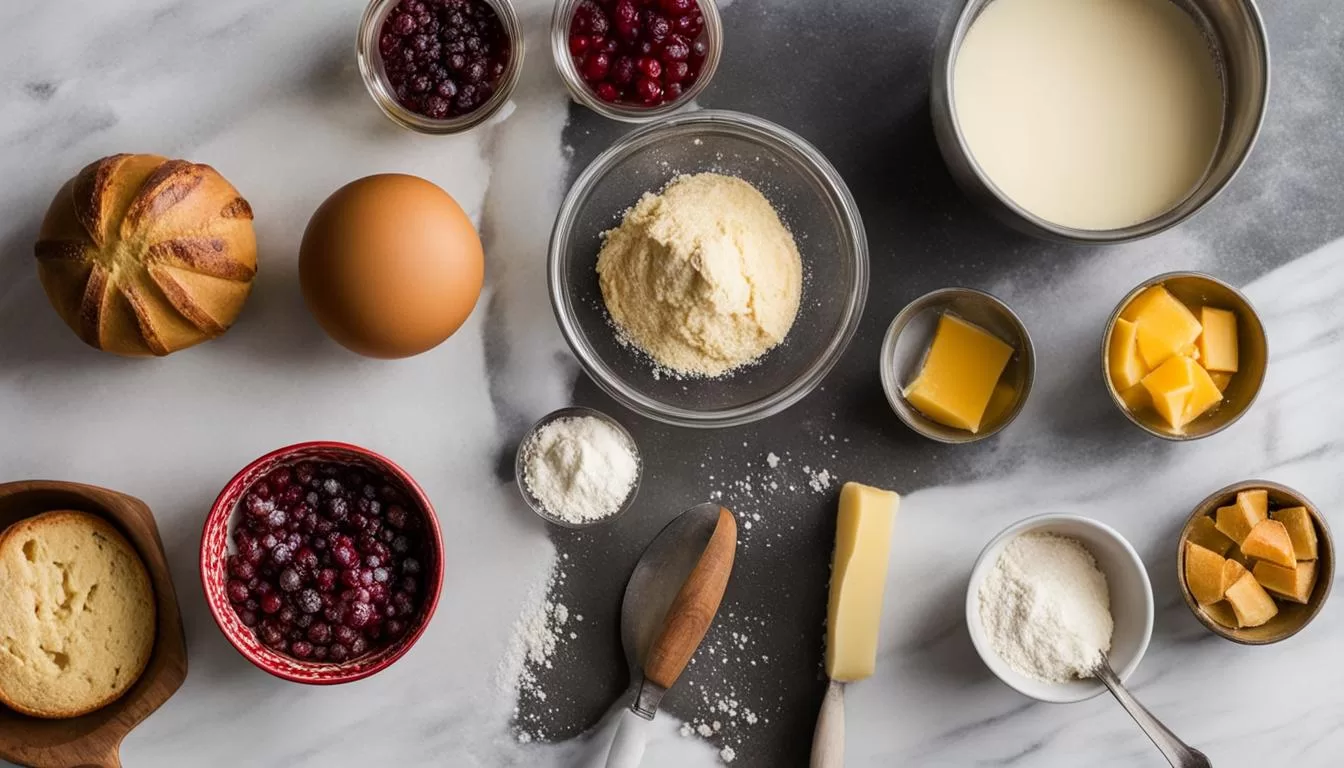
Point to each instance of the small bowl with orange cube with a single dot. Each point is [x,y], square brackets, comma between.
[1184,355]
[957,365]
[1255,562]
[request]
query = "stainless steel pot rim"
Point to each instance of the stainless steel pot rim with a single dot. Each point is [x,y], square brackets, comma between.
[944,58]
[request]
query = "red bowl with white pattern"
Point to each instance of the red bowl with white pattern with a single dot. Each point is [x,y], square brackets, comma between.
[217,544]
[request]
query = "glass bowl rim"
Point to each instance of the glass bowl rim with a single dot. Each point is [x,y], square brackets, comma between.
[782,140]
[581,93]
[525,448]
[371,71]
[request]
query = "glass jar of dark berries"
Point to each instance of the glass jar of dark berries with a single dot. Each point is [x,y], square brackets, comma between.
[636,60]
[440,66]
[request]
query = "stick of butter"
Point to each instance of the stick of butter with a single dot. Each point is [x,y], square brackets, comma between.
[858,576]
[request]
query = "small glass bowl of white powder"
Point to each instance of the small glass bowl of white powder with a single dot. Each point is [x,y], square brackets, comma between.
[1047,589]
[578,467]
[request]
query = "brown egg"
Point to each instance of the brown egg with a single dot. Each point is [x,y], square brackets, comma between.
[390,265]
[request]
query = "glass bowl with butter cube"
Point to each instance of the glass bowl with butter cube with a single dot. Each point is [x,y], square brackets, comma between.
[1255,562]
[1184,355]
[957,365]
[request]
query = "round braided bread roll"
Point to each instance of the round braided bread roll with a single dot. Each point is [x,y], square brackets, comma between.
[142,255]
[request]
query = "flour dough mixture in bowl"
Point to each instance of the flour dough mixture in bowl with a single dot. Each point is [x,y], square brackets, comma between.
[702,277]
[1093,115]
[709,269]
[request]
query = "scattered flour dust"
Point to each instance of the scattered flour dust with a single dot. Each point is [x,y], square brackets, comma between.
[760,496]
[541,629]
[1046,608]
[724,714]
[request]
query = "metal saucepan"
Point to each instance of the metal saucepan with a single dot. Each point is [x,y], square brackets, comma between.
[1237,33]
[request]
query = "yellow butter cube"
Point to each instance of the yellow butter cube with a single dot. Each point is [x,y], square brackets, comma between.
[1203,573]
[1205,534]
[1181,390]
[1170,405]
[1293,583]
[1127,367]
[1232,572]
[1170,386]
[1235,521]
[1150,295]
[1218,341]
[858,576]
[1301,530]
[1255,502]
[1221,613]
[1136,399]
[1165,325]
[1269,540]
[1250,602]
[1220,379]
[1204,392]
[957,380]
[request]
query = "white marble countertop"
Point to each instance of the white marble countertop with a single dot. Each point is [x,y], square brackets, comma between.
[268,94]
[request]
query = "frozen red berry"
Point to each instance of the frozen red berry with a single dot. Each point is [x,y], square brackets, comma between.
[649,46]
[318,569]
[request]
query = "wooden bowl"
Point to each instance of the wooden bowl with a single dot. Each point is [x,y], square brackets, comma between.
[1195,289]
[1292,617]
[95,739]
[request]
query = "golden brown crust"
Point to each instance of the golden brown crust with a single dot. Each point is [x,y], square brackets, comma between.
[148,333]
[60,250]
[33,525]
[118,219]
[181,300]
[207,256]
[169,184]
[91,306]
[91,195]
[237,208]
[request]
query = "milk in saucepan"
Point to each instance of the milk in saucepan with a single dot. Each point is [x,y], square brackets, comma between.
[1093,114]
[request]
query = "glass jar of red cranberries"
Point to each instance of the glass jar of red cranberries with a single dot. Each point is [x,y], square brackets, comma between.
[440,66]
[636,60]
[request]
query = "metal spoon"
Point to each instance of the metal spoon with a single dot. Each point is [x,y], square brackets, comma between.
[670,602]
[1177,752]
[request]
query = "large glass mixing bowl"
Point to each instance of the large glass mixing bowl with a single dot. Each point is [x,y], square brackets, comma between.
[812,201]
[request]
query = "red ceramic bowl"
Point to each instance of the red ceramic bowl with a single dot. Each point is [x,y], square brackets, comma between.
[215,548]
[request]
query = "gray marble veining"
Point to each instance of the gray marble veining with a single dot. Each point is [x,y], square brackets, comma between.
[268,94]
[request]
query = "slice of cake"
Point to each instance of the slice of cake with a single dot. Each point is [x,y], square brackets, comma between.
[77,615]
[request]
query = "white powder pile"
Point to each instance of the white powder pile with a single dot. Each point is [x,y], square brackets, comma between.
[580,469]
[1046,608]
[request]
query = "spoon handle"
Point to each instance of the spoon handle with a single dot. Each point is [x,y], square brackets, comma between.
[828,740]
[1177,752]
[627,745]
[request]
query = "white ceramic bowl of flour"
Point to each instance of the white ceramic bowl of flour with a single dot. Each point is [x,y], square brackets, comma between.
[1131,603]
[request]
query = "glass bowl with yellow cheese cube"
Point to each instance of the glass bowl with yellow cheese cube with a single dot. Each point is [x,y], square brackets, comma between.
[1255,562]
[1184,355]
[957,365]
